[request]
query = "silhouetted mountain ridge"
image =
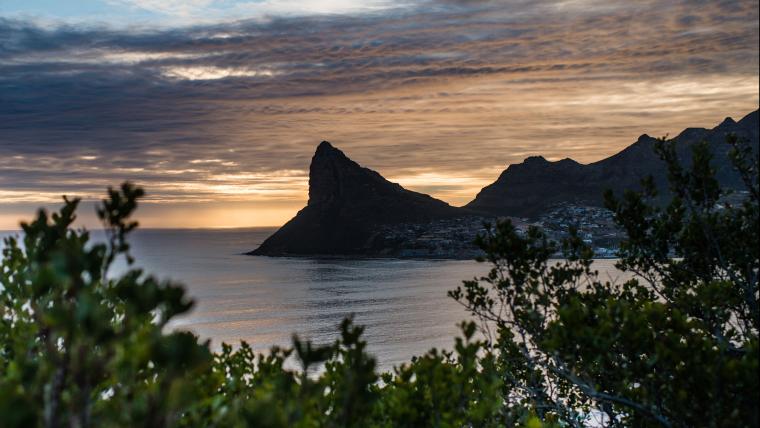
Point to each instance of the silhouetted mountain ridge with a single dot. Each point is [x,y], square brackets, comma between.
[353,210]
[528,188]
[347,203]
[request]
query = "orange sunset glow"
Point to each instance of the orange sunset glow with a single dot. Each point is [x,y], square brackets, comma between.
[437,96]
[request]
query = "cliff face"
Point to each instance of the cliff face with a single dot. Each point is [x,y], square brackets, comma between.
[347,204]
[529,188]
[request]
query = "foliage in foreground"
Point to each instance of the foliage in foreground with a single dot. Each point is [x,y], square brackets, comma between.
[676,345]
[551,343]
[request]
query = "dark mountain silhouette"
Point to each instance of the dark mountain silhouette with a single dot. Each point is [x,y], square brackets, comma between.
[355,211]
[528,188]
[347,204]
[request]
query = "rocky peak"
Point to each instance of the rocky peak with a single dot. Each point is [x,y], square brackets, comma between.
[328,169]
[691,134]
[347,204]
[326,149]
[535,160]
[541,163]
[728,125]
[567,162]
[335,180]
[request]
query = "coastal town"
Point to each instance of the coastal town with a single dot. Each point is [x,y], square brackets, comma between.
[454,238]
[595,225]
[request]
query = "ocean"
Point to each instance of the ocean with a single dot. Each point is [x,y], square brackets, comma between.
[264,301]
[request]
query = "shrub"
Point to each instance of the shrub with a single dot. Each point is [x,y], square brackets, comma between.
[551,344]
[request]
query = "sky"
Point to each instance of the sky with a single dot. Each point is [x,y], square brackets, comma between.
[216,106]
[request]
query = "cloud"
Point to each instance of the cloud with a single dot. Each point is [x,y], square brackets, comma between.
[209,11]
[440,90]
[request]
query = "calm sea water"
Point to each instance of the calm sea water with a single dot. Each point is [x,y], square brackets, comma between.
[263,300]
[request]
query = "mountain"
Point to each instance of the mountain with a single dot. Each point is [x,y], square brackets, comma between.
[355,211]
[348,205]
[529,188]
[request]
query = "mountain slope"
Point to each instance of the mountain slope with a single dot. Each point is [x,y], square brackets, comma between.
[529,188]
[346,205]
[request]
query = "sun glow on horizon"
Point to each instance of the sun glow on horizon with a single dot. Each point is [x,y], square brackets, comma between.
[216,107]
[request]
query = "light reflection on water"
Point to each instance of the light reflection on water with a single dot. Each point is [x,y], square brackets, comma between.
[261,300]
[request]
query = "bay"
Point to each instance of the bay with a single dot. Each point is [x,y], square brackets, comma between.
[264,301]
